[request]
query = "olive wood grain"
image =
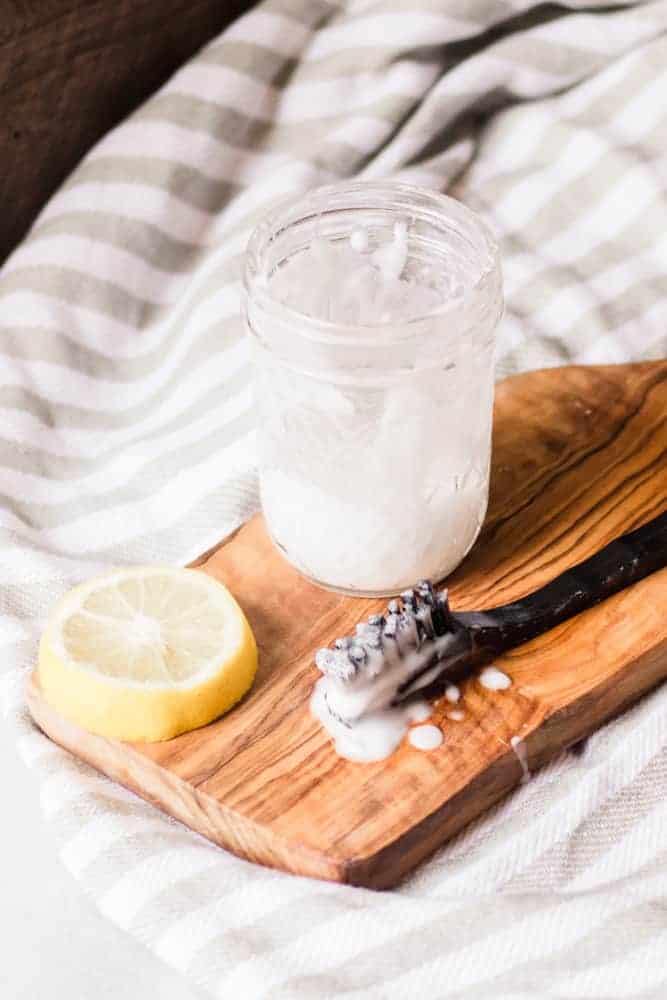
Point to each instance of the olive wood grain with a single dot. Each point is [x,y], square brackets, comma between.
[580,457]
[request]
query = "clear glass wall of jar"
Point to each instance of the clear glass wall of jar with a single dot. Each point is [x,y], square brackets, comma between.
[374,440]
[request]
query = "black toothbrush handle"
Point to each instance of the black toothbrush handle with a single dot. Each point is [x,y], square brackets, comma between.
[624,561]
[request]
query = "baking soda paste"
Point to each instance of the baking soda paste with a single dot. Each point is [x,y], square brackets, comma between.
[374,477]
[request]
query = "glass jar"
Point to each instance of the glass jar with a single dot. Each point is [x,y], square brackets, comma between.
[374,438]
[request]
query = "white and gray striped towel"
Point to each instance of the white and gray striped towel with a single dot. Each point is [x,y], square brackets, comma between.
[127,436]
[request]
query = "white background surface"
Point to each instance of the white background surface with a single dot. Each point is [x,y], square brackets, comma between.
[55,945]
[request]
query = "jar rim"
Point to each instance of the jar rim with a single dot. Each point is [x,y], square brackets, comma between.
[384,195]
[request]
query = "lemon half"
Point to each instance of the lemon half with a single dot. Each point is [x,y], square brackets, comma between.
[146,653]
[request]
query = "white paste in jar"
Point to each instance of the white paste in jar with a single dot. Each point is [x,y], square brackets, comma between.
[369,480]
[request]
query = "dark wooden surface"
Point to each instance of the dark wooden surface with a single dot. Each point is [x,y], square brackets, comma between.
[579,458]
[70,70]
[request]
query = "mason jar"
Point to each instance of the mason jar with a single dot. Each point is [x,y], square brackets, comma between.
[374,437]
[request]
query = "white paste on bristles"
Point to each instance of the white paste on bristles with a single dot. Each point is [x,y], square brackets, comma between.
[452,693]
[425,737]
[373,727]
[494,679]
[371,737]
[456,716]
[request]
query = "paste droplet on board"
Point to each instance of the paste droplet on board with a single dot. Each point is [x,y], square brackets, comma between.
[521,752]
[494,679]
[425,737]
[419,711]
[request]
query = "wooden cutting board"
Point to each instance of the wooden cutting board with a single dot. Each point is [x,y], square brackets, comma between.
[580,456]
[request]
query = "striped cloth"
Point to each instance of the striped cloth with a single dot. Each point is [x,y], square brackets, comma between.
[127,436]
